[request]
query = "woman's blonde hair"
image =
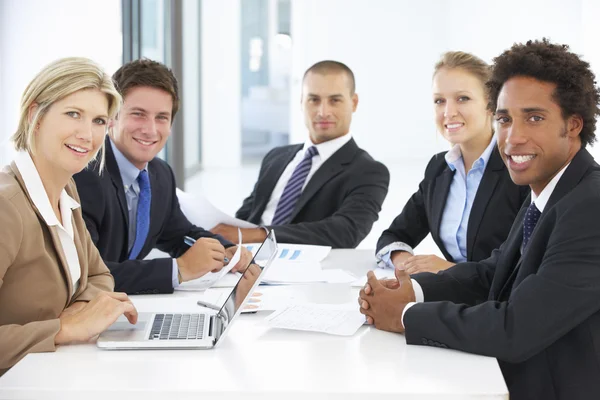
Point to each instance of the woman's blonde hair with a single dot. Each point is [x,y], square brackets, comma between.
[467,62]
[54,82]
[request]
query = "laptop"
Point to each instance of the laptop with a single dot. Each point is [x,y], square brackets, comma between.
[202,330]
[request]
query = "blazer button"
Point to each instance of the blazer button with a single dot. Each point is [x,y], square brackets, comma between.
[424,341]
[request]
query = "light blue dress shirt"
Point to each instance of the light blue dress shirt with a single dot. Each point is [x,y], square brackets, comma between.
[463,189]
[129,174]
[455,218]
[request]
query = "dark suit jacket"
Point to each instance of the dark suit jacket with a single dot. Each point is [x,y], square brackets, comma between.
[105,212]
[339,204]
[495,207]
[538,313]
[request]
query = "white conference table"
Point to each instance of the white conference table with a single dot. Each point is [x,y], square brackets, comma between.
[256,362]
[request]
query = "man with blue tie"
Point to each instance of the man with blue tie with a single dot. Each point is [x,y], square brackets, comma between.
[326,191]
[130,206]
[535,303]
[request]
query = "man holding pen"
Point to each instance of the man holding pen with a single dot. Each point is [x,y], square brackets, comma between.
[130,206]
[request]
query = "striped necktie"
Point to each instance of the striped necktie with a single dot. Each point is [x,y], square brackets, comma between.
[293,189]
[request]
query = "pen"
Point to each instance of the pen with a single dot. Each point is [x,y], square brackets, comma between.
[190,242]
[208,305]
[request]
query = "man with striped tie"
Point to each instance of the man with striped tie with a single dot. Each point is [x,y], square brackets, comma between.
[326,191]
[131,206]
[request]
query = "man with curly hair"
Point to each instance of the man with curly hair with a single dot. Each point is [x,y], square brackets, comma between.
[535,303]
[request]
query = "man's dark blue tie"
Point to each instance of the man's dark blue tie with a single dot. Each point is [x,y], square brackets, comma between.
[531,218]
[143,215]
[293,188]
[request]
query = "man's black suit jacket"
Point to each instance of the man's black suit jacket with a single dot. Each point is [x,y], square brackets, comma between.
[538,313]
[339,204]
[105,213]
[496,204]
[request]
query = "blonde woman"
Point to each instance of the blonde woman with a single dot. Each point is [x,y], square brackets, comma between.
[54,287]
[466,200]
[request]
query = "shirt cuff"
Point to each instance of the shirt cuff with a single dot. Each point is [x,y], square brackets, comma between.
[175,275]
[383,256]
[265,229]
[418,297]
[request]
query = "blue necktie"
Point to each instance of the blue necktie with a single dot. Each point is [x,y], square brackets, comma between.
[531,218]
[143,215]
[293,189]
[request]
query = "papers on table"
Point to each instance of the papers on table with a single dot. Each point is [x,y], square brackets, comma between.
[208,280]
[219,296]
[304,253]
[335,319]
[380,273]
[203,213]
[299,273]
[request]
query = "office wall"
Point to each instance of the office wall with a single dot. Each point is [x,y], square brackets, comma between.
[392,46]
[191,77]
[36,32]
[591,48]
[221,93]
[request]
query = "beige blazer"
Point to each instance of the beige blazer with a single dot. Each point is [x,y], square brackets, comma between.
[35,282]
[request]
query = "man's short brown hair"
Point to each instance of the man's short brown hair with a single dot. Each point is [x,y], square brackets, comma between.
[328,67]
[149,73]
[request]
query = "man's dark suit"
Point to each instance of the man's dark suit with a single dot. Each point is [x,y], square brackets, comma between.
[537,313]
[105,213]
[339,204]
[495,207]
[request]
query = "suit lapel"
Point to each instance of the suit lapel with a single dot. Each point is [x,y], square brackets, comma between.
[578,168]
[53,230]
[330,168]
[115,175]
[482,198]
[571,177]
[511,254]
[62,258]
[440,195]
[156,187]
[82,257]
[272,175]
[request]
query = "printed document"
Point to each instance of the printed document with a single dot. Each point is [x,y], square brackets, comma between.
[335,319]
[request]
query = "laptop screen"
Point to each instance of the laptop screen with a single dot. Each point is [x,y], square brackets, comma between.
[248,281]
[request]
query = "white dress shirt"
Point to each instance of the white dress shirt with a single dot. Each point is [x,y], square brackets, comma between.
[67,204]
[540,202]
[326,150]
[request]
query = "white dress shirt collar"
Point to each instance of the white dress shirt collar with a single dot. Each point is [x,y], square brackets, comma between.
[327,149]
[541,200]
[38,194]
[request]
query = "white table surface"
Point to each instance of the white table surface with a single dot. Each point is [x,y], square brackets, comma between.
[255,362]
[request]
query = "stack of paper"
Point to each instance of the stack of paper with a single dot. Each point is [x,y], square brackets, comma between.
[335,319]
[301,273]
[303,253]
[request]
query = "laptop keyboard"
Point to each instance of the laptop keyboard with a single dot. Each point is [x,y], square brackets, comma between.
[177,327]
